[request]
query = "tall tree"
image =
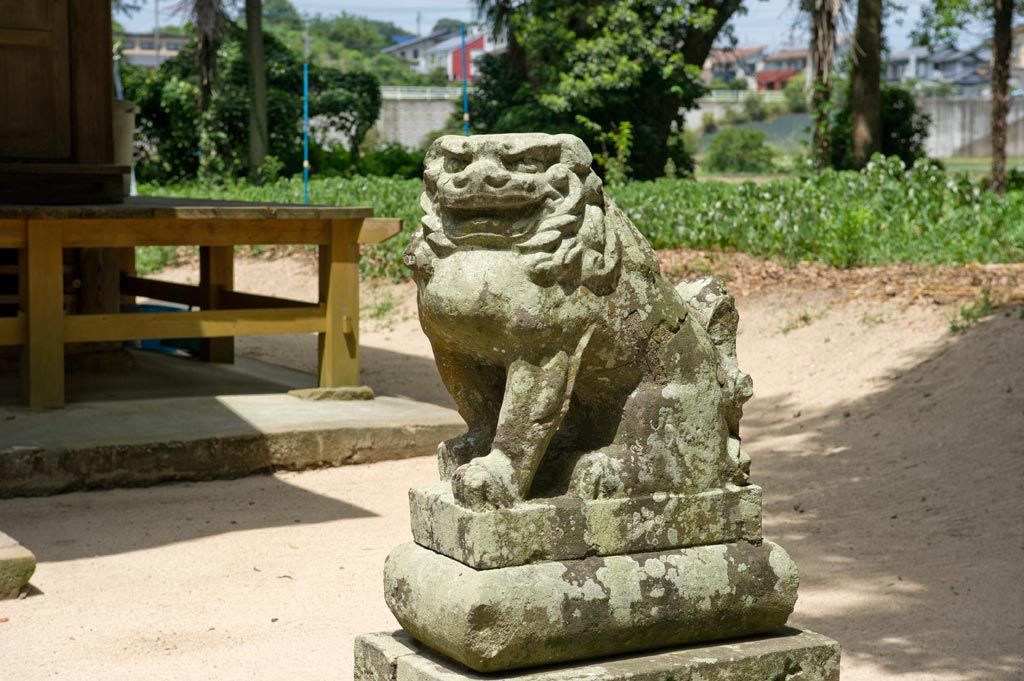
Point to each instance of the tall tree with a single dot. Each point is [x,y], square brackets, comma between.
[1002,43]
[210,22]
[590,66]
[257,86]
[941,22]
[824,18]
[866,82]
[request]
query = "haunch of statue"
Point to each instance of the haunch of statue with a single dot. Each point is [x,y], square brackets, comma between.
[576,366]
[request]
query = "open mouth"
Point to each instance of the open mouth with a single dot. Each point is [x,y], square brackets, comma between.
[489,218]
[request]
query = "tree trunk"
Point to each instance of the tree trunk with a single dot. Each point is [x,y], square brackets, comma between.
[866,89]
[1002,39]
[823,50]
[257,86]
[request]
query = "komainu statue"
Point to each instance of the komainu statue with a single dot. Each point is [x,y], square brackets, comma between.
[599,503]
[576,366]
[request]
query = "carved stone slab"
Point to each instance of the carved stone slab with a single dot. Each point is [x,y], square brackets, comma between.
[787,656]
[545,613]
[568,528]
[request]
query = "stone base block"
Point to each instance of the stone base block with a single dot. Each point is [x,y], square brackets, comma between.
[568,528]
[545,613]
[16,567]
[788,655]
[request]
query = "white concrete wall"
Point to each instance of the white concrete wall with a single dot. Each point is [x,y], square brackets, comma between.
[962,127]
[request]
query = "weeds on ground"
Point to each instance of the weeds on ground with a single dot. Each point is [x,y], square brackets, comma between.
[874,319]
[970,314]
[804,317]
[379,309]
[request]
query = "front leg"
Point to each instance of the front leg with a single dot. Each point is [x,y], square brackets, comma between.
[477,393]
[536,400]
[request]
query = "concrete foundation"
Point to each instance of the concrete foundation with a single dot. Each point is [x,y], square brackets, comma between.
[788,655]
[17,564]
[137,428]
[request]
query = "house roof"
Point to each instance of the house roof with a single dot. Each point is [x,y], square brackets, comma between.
[435,37]
[794,53]
[729,56]
[453,43]
[909,53]
[774,75]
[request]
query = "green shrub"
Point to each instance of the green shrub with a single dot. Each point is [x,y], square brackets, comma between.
[708,122]
[753,107]
[882,214]
[391,160]
[738,150]
[796,93]
[733,117]
[903,129]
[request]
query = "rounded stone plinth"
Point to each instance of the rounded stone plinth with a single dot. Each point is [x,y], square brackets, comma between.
[542,613]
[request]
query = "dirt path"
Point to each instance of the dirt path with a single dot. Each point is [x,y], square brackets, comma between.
[891,452]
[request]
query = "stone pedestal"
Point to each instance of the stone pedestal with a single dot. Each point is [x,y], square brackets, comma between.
[788,655]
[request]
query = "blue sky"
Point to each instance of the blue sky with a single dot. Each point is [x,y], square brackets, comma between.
[767,22]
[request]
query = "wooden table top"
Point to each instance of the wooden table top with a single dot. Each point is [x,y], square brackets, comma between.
[154,207]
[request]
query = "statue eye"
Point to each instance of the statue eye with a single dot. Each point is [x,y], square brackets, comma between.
[526,165]
[455,165]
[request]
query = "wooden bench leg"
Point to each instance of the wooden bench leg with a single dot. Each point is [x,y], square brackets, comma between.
[43,353]
[339,292]
[216,274]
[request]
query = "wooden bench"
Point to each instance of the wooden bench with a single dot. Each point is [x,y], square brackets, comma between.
[42,327]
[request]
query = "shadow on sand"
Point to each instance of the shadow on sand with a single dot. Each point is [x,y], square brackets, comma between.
[904,509]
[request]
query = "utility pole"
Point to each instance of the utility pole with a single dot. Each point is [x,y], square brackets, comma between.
[156,30]
[305,122]
[465,86]
[419,18]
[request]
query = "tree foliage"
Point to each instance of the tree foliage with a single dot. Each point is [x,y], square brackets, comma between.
[635,61]
[903,130]
[180,141]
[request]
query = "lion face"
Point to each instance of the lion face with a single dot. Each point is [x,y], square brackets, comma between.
[494,190]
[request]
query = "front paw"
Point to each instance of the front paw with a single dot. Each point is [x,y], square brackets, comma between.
[485,483]
[457,451]
[597,476]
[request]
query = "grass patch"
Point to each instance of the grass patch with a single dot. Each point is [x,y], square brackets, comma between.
[973,312]
[804,317]
[868,319]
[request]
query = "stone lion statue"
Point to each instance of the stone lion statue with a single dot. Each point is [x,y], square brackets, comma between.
[577,368]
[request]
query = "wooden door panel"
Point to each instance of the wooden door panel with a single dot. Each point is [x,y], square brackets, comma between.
[35,88]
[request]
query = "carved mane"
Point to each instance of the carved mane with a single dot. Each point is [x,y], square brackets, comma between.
[578,239]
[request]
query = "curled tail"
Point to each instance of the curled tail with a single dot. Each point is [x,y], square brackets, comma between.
[707,300]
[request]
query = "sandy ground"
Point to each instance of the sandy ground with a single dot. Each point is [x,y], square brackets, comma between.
[891,453]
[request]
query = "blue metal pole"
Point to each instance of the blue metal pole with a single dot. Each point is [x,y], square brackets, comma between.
[305,124]
[465,86]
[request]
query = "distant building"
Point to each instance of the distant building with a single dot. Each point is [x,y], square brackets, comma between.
[733,64]
[443,50]
[414,51]
[911,63]
[967,73]
[143,49]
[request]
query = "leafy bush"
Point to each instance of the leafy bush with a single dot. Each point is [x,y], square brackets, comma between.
[733,117]
[882,214]
[391,160]
[739,150]
[753,107]
[903,129]
[176,141]
[708,122]
[796,93]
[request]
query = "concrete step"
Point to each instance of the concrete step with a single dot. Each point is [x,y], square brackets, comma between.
[142,442]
